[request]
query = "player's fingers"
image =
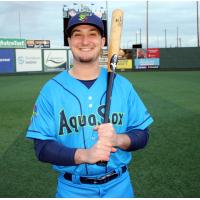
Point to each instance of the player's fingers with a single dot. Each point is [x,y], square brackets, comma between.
[103,126]
[102,153]
[105,133]
[113,150]
[104,143]
[96,128]
[105,148]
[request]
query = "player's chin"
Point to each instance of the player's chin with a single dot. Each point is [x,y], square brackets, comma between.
[86,60]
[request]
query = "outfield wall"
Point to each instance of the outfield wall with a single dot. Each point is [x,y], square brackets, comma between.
[51,60]
[178,58]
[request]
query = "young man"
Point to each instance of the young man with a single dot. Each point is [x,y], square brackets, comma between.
[67,123]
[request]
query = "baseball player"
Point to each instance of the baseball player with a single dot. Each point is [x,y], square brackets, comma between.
[67,127]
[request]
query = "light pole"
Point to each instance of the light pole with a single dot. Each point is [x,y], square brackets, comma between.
[20,34]
[177,36]
[180,42]
[92,4]
[158,41]
[147,24]
[128,43]
[197,3]
[165,38]
[138,33]
[136,37]
[74,6]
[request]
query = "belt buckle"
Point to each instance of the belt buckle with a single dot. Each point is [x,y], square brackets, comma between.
[107,177]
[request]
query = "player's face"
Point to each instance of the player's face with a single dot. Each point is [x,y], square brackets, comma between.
[86,43]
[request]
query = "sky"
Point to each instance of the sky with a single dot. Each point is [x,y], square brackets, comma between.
[44,20]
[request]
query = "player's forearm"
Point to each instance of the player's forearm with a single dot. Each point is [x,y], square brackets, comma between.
[53,152]
[139,139]
[132,140]
[123,141]
[80,156]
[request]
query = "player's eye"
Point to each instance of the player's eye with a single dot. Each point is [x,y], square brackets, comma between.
[93,34]
[76,34]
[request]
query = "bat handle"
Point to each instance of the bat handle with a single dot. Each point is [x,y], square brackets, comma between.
[111,75]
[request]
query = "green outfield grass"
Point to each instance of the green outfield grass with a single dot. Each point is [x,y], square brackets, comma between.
[167,167]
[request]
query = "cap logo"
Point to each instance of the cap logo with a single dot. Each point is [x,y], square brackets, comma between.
[83,17]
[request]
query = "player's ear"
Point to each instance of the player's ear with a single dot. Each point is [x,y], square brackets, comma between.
[69,41]
[103,41]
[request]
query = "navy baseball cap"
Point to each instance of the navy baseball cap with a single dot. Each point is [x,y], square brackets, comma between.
[85,19]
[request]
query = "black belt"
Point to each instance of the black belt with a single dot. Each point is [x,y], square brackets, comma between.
[103,179]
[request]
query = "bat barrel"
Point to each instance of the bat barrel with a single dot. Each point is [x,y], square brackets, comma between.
[115,34]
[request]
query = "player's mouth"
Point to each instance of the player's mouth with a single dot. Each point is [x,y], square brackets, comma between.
[86,49]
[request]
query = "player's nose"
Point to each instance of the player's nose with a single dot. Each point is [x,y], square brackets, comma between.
[85,40]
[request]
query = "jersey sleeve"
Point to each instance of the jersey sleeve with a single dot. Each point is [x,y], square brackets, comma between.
[139,117]
[42,124]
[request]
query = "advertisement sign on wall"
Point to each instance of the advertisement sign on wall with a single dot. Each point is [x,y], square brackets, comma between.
[55,60]
[124,64]
[38,43]
[125,59]
[28,60]
[146,63]
[153,53]
[7,64]
[12,43]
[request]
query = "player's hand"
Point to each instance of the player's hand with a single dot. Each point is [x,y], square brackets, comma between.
[107,132]
[99,151]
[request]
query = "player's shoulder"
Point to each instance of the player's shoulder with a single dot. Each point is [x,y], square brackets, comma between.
[125,86]
[123,81]
[52,84]
[120,80]
[118,77]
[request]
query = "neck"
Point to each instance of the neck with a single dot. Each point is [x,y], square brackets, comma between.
[85,71]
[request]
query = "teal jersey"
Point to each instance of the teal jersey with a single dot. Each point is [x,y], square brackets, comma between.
[67,111]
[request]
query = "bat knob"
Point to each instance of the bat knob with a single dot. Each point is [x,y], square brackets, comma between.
[102,163]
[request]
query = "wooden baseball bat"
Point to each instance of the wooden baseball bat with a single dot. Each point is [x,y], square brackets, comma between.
[115,35]
[114,47]
[113,51]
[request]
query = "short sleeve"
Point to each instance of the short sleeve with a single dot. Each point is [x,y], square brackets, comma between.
[42,125]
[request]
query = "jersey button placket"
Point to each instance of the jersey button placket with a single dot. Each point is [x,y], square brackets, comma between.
[90,103]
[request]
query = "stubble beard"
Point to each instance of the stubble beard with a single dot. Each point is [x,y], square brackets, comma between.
[86,59]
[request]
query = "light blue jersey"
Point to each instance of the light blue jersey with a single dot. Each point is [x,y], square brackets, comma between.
[67,111]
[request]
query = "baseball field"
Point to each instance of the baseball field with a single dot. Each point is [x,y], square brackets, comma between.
[168,167]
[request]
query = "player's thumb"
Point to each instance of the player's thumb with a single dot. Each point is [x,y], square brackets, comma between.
[96,128]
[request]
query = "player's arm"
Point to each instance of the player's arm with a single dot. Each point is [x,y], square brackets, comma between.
[130,141]
[53,152]
[133,140]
